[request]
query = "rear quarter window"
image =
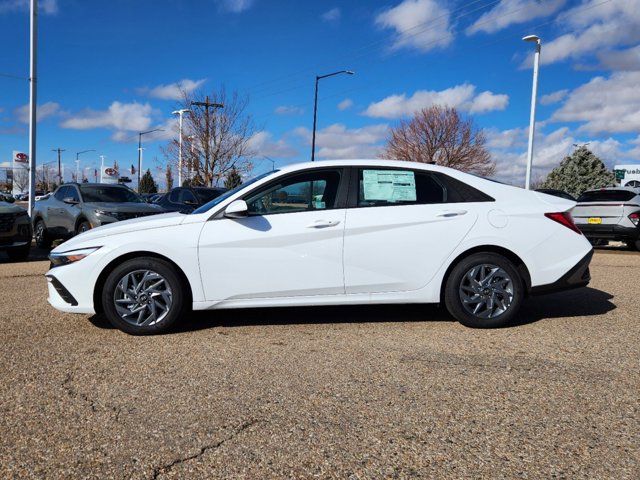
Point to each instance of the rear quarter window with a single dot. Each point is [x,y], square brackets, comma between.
[606,196]
[460,192]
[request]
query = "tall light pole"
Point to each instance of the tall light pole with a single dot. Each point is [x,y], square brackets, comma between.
[273,162]
[78,164]
[102,157]
[33,90]
[534,94]
[180,112]
[315,108]
[59,150]
[140,134]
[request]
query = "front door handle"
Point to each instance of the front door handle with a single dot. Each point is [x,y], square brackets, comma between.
[451,213]
[323,223]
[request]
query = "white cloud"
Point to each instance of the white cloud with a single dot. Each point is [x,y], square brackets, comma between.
[262,143]
[49,7]
[338,141]
[509,12]
[119,116]
[596,26]
[332,15]
[462,97]
[420,24]
[172,91]
[553,97]
[345,104]
[628,59]
[43,111]
[289,110]
[234,6]
[604,104]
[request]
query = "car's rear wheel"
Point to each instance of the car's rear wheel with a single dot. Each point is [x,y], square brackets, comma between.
[484,290]
[43,239]
[143,296]
[83,226]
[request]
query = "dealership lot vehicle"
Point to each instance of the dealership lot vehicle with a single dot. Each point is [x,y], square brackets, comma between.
[187,199]
[15,230]
[332,392]
[75,208]
[330,233]
[610,214]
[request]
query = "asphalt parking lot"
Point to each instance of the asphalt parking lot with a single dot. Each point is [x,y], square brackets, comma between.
[366,392]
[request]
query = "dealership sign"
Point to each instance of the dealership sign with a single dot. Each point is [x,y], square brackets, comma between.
[20,157]
[109,175]
[628,175]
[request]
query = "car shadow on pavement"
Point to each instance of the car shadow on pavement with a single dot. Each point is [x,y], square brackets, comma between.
[574,303]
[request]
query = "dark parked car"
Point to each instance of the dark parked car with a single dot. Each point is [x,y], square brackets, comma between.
[75,208]
[187,199]
[557,193]
[15,230]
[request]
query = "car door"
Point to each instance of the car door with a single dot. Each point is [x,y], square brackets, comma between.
[289,245]
[55,210]
[400,228]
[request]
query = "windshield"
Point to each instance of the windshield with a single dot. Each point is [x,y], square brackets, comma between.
[108,194]
[218,200]
[606,196]
[207,194]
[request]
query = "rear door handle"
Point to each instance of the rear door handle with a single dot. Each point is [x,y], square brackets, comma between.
[323,223]
[451,213]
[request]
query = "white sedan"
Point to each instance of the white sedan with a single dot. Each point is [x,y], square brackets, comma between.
[330,233]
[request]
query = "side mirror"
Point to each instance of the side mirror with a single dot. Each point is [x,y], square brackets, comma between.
[237,209]
[70,201]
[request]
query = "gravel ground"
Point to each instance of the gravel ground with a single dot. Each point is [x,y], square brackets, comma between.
[366,392]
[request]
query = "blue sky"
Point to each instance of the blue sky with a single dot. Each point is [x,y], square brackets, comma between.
[110,68]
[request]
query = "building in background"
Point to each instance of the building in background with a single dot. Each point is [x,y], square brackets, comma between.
[628,175]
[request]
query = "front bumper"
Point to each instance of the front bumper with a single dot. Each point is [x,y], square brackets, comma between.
[18,236]
[610,232]
[578,276]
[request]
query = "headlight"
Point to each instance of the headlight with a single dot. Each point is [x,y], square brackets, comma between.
[105,213]
[65,258]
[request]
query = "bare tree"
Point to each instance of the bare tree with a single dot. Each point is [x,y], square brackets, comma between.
[439,135]
[21,178]
[215,140]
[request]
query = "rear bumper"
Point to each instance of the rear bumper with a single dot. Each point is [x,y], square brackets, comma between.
[610,232]
[578,276]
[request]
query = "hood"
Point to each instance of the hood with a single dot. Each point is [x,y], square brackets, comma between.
[124,207]
[98,234]
[6,207]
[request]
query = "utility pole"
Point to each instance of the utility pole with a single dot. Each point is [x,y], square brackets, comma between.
[207,105]
[33,90]
[59,150]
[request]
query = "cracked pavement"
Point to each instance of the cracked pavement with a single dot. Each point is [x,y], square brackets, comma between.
[357,392]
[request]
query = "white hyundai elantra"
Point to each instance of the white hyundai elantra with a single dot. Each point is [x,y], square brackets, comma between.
[330,233]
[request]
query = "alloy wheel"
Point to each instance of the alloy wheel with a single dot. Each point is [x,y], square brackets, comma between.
[143,298]
[39,232]
[486,291]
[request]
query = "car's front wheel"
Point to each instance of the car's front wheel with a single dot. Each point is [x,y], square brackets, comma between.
[143,296]
[83,226]
[484,290]
[43,239]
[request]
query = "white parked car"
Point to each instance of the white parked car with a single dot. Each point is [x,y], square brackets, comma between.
[330,233]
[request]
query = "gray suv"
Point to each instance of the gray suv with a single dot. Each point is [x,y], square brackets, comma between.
[609,214]
[74,208]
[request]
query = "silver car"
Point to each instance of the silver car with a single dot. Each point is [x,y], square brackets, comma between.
[609,214]
[74,208]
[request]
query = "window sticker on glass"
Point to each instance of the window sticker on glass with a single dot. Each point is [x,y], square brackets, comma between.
[389,185]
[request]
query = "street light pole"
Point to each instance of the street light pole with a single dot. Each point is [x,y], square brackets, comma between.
[59,150]
[315,108]
[78,164]
[534,93]
[32,102]
[140,134]
[180,113]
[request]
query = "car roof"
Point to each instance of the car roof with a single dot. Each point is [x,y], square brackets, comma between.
[624,189]
[374,162]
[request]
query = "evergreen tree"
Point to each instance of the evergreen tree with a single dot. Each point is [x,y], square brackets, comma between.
[147,183]
[233,179]
[169,177]
[579,172]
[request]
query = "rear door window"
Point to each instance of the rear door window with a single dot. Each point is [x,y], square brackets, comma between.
[606,196]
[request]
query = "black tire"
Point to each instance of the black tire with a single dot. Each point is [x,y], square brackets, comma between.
[458,285]
[634,245]
[19,254]
[178,304]
[43,239]
[82,227]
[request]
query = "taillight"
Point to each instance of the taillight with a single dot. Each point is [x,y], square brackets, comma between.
[635,218]
[564,218]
